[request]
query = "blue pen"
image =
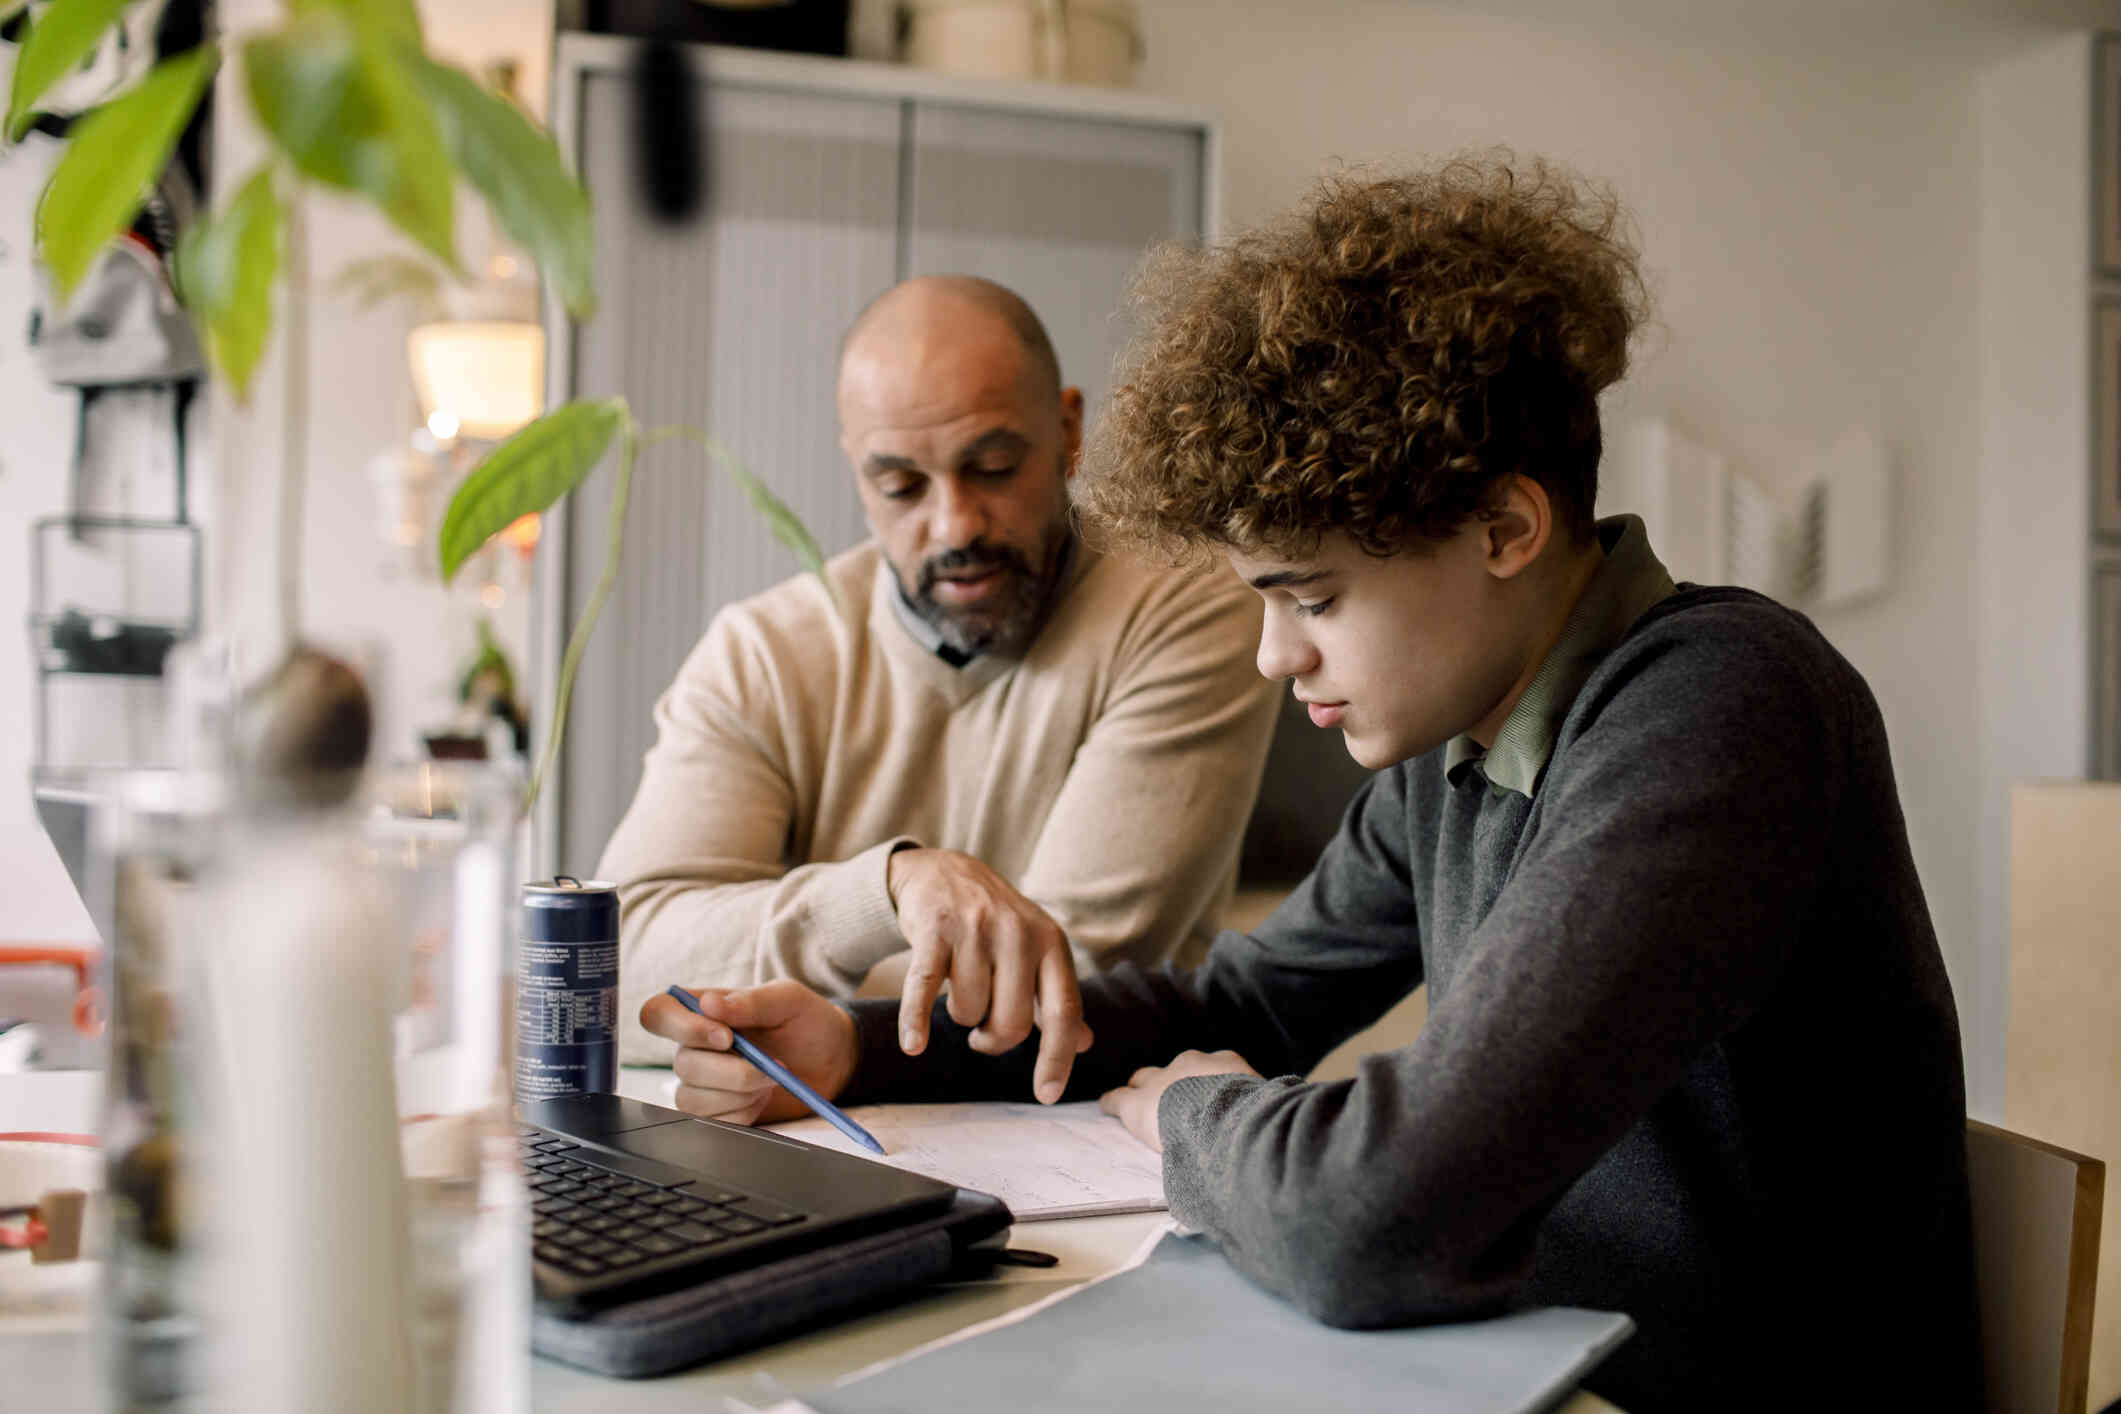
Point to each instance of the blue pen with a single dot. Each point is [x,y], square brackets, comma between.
[823,1108]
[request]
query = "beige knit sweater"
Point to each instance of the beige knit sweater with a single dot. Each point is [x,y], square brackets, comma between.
[1108,774]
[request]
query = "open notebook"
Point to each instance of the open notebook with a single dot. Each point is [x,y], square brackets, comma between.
[1044,1161]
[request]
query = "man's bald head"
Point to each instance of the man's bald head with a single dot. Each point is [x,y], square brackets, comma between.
[945,306]
[962,441]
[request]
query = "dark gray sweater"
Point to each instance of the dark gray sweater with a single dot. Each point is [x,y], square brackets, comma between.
[1691,1053]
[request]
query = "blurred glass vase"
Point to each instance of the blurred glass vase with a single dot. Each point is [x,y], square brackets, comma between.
[309,1042]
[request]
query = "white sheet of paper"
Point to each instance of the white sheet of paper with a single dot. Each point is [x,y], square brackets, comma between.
[1044,1161]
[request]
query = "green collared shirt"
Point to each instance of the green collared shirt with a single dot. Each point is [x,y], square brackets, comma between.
[1630,581]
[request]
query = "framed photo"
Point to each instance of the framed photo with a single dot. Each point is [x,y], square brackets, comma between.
[2106,670]
[2106,158]
[2106,417]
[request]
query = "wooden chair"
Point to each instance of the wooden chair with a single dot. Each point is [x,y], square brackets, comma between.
[2062,1059]
[2036,1261]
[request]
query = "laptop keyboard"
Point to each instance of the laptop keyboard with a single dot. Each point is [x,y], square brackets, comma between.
[594,1222]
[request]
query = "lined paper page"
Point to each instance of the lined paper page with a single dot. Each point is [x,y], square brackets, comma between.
[1044,1161]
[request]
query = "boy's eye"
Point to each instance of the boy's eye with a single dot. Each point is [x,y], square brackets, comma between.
[1313,610]
[995,473]
[901,490]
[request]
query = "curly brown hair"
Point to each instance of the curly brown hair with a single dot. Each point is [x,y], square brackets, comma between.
[1370,365]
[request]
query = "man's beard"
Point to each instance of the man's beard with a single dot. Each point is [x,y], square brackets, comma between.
[1008,621]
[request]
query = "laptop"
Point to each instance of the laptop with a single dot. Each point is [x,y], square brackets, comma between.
[629,1198]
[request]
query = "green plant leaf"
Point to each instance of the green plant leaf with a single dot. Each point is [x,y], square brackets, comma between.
[526,473]
[383,277]
[111,157]
[518,169]
[393,20]
[225,270]
[64,35]
[341,103]
[786,525]
[424,202]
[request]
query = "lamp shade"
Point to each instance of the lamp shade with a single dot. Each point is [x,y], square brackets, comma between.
[489,374]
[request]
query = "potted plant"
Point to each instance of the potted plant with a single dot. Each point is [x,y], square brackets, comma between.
[348,98]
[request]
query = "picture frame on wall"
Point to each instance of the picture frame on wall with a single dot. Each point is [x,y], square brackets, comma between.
[2106,414]
[2106,671]
[2106,154]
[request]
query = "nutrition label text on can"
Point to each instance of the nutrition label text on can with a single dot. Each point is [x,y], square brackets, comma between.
[567,989]
[566,994]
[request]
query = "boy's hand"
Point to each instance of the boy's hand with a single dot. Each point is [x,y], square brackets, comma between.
[1134,1104]
[811,1036]
[1006,960]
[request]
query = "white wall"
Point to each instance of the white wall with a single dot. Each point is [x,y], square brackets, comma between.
[410,635]
[1808,215]
[2035,126]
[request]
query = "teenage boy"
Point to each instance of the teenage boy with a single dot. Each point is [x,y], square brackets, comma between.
[1690,1051]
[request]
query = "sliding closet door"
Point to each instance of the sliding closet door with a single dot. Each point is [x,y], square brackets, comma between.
[729,323]
[1058,208]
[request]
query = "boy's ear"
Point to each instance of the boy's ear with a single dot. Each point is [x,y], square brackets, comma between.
[1518,524]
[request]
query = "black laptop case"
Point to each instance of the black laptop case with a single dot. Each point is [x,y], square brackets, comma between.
[740,1310]
[779,1235]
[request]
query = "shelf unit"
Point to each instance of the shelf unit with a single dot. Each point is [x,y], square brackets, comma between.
[117,633]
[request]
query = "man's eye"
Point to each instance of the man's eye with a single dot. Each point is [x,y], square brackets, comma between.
[898,490]
[996,473]
[1312,611]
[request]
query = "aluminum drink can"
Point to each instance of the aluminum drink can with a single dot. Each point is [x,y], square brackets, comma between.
[567,989]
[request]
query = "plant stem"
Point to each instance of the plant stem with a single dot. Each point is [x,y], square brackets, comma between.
[577,641]
[786,525]
[685,429]
[294,432]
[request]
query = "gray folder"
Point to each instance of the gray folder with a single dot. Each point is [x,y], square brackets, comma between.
[1185,1331]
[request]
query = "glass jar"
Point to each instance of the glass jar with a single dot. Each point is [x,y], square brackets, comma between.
[155,837]
[316,1197]
[445,831]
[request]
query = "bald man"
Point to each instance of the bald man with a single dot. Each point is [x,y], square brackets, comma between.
[1003,758]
